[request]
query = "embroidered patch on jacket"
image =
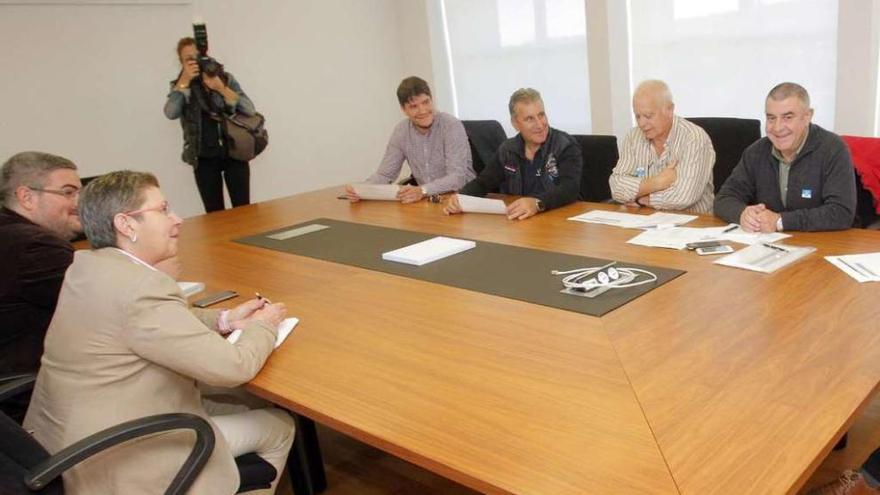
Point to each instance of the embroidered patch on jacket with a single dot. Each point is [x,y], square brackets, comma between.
[510,168]
[806,193]
[550,166]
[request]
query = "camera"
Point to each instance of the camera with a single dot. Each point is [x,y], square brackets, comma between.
[207,65]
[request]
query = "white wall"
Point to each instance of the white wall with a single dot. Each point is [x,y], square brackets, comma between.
[89,81]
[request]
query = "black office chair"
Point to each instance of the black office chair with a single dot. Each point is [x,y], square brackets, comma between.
[730,137]
[866,214]
[600,156]
[484,137]
[26,467]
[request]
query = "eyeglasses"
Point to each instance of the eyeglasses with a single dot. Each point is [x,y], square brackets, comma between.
[69,192]
[164,207]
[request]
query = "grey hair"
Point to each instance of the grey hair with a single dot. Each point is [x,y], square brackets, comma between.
[788,89]
[523,95]
[28,168]
[105,197]
[658,88]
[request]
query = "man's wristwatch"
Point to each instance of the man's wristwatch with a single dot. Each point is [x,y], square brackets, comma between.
[779,224]
[424,192]
[540,205]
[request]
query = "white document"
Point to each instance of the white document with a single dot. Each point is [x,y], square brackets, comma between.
[384,192]
[424,252]
[675,237]
[472,204]
[633,221]
[615,218]
[766,258]
[284,329]
[741,236]
[862,267]
[189,289]
[661,219]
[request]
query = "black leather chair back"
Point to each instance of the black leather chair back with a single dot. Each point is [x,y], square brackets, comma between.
[600,156]
[730,137]
[484,136]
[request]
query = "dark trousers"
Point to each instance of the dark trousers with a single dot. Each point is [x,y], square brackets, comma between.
[210,174]
[872,467]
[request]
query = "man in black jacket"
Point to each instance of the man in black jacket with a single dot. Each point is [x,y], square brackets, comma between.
[541,163]
[39,192]
[799,177]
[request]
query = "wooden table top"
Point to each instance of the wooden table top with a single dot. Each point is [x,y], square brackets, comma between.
[721,381]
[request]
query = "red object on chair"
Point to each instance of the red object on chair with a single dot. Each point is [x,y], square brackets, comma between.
[865,153]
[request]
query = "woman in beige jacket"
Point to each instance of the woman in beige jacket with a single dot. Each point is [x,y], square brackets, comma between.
[124,344]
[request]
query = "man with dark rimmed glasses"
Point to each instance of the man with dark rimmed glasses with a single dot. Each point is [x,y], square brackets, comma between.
[39,192]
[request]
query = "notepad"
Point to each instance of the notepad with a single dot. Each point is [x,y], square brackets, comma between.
[862,267]
[383,192]
[284,329]
[425,252]
[190,288]
[766,258]
[471,204]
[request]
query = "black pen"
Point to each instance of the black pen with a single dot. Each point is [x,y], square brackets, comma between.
[777,248]
[730,229]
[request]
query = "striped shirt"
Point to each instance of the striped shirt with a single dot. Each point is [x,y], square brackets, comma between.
[689,145]
[440,160]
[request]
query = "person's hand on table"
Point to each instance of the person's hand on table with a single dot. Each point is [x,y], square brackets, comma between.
[749,219]
[522,208]
[351,195]
[451,206]
[410,194]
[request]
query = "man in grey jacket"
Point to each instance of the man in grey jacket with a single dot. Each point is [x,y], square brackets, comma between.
[798,177]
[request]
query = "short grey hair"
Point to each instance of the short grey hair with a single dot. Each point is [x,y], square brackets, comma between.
[657,87]
[523,95]
[28,168]
[105,197]
[788,89]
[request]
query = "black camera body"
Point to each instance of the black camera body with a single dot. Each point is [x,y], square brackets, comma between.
[207,65]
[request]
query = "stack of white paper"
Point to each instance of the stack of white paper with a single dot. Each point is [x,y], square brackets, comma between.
[471,204]
[190,288]
[385,192]
[676,237]
[633,221]
[284,329]
[427,251]
[862,267]
[766,258]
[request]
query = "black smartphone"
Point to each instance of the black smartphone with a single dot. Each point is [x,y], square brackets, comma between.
[214,298]
[702,244]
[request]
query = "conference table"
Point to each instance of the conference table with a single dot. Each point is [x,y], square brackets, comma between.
[720,381]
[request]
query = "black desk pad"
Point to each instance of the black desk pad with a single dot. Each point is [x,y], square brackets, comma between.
[507,271]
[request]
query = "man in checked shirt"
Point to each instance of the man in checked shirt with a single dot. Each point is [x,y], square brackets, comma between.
[434,145]
[665,161]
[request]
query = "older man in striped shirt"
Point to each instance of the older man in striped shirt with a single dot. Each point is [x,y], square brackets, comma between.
[665,162]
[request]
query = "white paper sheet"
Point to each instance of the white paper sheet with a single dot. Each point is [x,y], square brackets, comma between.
[862,267]
[675,237]
[633,221]
[425,252]
[190,288]
[471,204]
[383,192]
[284,329]
[741,236]
[766,258]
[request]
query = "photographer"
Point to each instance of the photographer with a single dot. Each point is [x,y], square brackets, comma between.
[198,97]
